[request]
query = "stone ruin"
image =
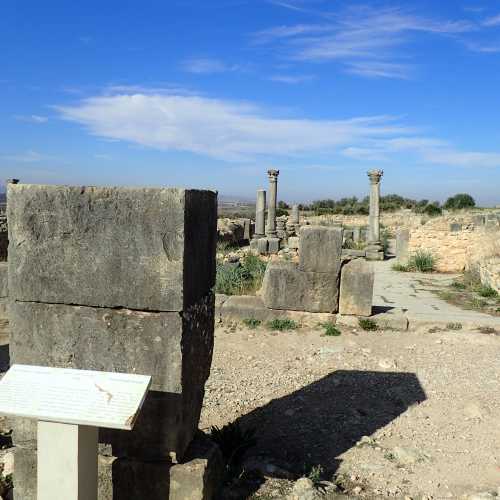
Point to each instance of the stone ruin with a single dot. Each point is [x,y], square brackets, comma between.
[119,280]
[323,281]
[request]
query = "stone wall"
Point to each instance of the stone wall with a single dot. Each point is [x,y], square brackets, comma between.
[489,270]
[456,245]
[115,279]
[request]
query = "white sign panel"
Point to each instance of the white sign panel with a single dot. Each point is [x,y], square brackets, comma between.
[81,397]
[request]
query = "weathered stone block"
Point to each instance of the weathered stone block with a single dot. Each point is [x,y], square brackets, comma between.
[402,242]
[320,249]
[4,280]
[273,245]
[262,246]
[285,286]
[293,242]
[201,474]
[147,249]
[356,288]
[24,473]
[455,227]
[175,348]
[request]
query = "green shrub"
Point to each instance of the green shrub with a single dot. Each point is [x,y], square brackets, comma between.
[367,324]
[331,330]
[403,268]
[252,323]
[459,285]
[478,303]
[422,261]
[233,442]
[432,210]
[282,324]
[461,200]
[315,474]
[454,326]
[486,291]
[239,280]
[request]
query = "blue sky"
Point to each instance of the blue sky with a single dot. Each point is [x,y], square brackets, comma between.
[213,93]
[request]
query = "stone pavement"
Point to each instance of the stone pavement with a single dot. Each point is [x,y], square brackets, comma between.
[412,293]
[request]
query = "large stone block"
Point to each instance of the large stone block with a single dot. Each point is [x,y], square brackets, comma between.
[402,242]
[285,286]
[175,348]
[4,279]
[320,249]
[24,473]
[356,288]
[146,249]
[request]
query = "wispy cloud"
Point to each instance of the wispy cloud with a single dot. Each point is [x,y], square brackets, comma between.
[245,132]
[291,79]
[366,41]
[31,118]
[203,66]
[378,69]
[26,157]
[492,21]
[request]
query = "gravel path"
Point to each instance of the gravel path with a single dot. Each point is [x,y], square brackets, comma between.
[396,413]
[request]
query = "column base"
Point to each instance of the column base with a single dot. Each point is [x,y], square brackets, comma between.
[374,251]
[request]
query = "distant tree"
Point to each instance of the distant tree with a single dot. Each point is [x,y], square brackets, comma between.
[461,200]
[433,209]
[283,205]
[280,212]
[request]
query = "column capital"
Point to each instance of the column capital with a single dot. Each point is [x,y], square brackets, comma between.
[375,176]
[273,174]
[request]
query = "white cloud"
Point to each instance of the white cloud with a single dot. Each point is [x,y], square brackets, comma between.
[492,21]
[378,69]
[31,118]
[202,66]
[360,36]
[244,132]
[26,157]
[291,79]
[217,128]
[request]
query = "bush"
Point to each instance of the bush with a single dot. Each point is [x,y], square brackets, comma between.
[432,210]
[239,280]
[486,291]
[233,442]
[454,326]
[282,324]
[461,200]
[331,330]
[422,261]
[367,324]
[252,323]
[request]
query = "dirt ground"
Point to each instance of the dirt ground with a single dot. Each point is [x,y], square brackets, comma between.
[392,414]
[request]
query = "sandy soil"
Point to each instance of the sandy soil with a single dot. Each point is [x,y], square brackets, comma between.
[389,414]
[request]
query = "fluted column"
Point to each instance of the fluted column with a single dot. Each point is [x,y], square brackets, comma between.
[271,208]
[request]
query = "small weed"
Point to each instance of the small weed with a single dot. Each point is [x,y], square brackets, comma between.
[390,456]
[367,324]
[331,330]
[486,291]
[458,285]
[282,324]
[445,295]
[488,330]
[454,326]
[402,268]
[315,474]
[252,323]
[233,442]
[477,303]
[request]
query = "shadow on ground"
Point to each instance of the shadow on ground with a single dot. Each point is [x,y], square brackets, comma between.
[319,422]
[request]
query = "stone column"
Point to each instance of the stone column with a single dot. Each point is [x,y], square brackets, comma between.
[260,215]
[374,249]
[295,214]
[271,209]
